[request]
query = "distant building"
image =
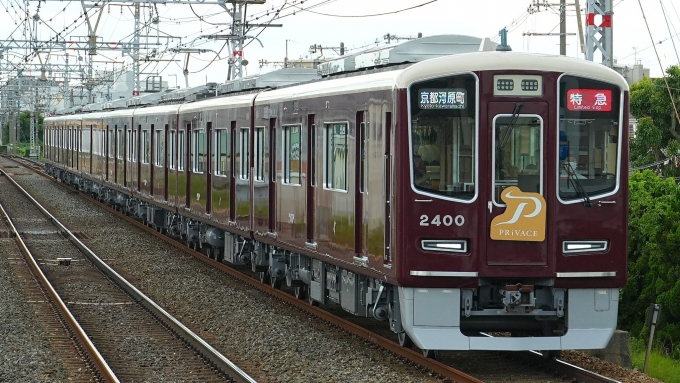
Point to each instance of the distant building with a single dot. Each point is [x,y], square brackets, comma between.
[632,74]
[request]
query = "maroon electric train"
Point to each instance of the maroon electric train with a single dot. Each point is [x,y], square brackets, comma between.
[455,197]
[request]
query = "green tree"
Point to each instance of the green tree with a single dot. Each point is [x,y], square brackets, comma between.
[25,127]
[653,258]
[658,131]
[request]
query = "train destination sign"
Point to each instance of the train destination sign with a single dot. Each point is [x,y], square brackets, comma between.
[443,99]
[589,100]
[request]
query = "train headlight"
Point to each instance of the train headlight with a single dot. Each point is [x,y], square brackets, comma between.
[573,247]
[530,85]
[445,245]
[505,84]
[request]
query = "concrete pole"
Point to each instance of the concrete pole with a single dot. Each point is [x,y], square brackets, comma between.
[563,28]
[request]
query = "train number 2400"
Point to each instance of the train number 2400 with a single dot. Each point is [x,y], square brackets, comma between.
[438,220]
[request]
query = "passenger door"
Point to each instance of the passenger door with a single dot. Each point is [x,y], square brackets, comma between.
[359,189]
[516,210]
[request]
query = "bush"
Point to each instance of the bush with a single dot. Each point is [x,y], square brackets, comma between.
[653,259]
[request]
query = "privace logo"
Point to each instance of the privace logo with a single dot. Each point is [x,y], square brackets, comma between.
[523,219]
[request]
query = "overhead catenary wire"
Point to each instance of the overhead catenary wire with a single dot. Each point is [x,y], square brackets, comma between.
[663,10]
[670,94]
[373,15]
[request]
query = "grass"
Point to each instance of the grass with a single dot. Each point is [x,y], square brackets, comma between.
[660,366]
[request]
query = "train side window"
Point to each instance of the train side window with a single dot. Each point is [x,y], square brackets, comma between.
[180,150]
[244,154]
[120,144]
[86,144]
[221,151]
[312,155]
[259,153]
[172,159]
[134,143]
[198,150]
[361,139]
[291,154]
[335,156]
[159,147]
[112,140]
[94,148]
[129,145]
[146,146]
[102,143]
[95,142]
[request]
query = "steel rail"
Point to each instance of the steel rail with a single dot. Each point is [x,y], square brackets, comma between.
[406,353]
[100,364]
[205,349]
[580,373]
[558,365]
[442,369]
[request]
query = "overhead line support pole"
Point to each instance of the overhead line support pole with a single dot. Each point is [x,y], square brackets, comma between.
[600,37]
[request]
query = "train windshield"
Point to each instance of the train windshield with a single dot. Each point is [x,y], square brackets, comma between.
[443,136]
[589,138]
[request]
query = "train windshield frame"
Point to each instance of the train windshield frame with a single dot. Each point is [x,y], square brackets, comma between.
[590,133]
[443,135]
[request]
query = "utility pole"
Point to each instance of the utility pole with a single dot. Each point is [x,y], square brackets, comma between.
[135,54]
[563,27]
[313,48]
[389,37]
[577,5]
[32,152]
[536,7]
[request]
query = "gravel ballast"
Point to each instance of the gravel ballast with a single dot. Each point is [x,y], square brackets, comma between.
[25,351]
[278,343]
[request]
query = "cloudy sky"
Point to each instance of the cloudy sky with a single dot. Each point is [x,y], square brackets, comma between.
[357,23]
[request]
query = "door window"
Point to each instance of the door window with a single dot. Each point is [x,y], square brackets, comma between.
[518,159]
[291,155]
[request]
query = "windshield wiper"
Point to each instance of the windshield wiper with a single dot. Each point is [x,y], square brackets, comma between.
[577,184]
[511,125]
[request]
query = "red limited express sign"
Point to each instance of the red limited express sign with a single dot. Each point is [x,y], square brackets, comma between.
[593,100]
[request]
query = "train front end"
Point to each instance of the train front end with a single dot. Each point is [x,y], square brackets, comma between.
[511,202]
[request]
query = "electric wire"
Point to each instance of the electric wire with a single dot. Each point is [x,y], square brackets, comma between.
[669,30]
[373,15]
[670,94]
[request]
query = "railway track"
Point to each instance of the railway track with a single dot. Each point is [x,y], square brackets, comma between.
[43,319]
[124,335]
[450,366]
[468,366]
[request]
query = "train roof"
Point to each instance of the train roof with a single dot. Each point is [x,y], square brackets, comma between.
[238,100]
[484,61]
[398,78]
[411,51]
[156,110]
[443,66]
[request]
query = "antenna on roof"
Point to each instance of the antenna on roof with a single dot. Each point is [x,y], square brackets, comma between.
[503,47]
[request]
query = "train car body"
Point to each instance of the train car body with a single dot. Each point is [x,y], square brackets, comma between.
[462,195]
